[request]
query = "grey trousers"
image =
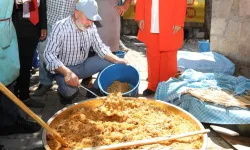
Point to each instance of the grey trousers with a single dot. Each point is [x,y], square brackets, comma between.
[9,111]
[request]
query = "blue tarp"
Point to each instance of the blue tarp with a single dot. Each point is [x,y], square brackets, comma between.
[170,91]
[206,62]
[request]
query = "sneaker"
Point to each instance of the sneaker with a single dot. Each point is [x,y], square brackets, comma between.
[33,103]
[42,89]
[148,92]
[21,126]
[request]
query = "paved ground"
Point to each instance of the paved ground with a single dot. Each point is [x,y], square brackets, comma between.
[136,57]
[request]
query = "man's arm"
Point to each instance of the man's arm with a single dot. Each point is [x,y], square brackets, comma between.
[50,57]
[43,19]
[140,10]
[179,15]
[102,50]
[53,48]
[124,7]
[179,12]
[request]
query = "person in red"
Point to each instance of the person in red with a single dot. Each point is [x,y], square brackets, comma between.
[161,25]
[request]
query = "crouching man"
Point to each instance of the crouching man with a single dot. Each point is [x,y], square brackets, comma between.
[66,53]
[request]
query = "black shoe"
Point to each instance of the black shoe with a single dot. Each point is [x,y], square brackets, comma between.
[148,92]
[2,147]
[86,81]
[94,90]
[68,100]
[21,126]
[42,89]
[33,103]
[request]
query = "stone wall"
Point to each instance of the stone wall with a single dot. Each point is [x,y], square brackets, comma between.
[230,32]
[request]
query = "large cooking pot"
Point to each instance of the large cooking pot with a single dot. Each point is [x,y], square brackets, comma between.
[93,103]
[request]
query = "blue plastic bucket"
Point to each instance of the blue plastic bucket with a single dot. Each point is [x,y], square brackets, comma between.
[122,73]
[120,54]
[204,46]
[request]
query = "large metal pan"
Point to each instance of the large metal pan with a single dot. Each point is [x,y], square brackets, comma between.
[93,103]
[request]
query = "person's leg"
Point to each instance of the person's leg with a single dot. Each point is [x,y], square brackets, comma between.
[27,47]
[87,81]
[90,67]
[45,77]
[26,52]
[64,89]
[11,120]
[9,111]
[168,65]
[153,59]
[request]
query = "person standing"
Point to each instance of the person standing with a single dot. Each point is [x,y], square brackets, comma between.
[56,10]
[11,120]
[111,23]
[30,21]
[161,25]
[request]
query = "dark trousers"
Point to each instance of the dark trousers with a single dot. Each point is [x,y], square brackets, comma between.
[27,46]
[9,111]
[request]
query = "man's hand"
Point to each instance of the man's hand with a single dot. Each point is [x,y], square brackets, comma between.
[121,61]
[43,34]
[122,9]
[114,59]
[176,29]
[141,25]
[71,79]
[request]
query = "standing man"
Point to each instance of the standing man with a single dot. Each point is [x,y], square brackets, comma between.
[30,21]
[161,25]
[11,120]
[56,10]
[111,22]
[66,53]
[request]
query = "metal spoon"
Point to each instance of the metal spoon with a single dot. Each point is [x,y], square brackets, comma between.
[89,91]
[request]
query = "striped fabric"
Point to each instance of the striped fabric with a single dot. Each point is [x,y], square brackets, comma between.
[59,9]
[69,46]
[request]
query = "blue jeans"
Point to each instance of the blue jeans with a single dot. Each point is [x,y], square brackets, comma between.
[88,68]
[45,77]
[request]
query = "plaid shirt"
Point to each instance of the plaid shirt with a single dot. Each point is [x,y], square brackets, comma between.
[59,9]
[68,46]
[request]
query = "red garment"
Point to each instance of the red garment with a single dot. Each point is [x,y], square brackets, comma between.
[34,15]
[171,12]
[162,65]
[161,48]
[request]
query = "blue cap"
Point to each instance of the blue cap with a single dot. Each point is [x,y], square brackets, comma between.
[89,8]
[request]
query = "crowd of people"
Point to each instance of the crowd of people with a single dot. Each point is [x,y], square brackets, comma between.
[75,40]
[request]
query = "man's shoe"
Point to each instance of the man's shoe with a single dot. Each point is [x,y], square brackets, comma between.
[94,90]
[86,81]
[67,100]
[148,92]
[42,89]
[21,126]
[33,103]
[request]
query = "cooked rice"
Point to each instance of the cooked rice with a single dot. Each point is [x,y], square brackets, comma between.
[119,120]
[118,86]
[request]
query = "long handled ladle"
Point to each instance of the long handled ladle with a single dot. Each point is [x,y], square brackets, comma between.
[147,141]
[12,97]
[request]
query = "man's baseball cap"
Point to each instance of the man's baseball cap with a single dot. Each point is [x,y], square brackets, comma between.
[89,8]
